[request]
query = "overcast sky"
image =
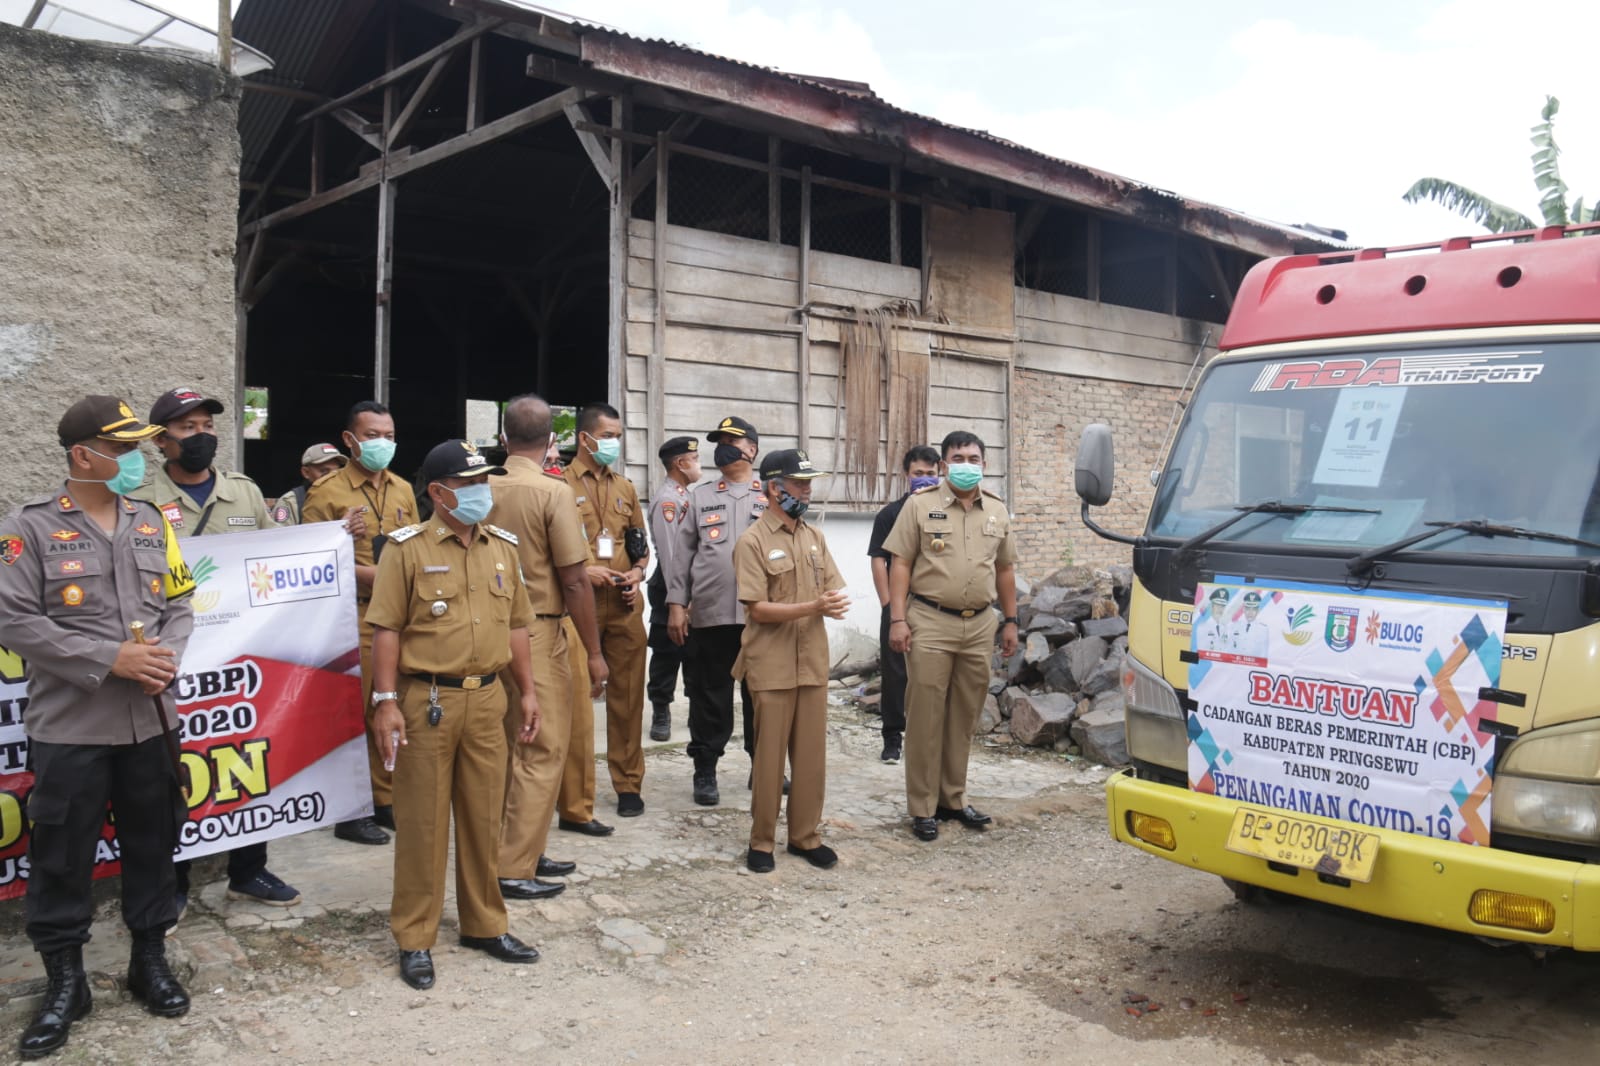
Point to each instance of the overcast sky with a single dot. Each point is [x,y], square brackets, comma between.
[1318,113]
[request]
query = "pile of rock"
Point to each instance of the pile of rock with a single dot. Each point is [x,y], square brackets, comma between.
[1063,687]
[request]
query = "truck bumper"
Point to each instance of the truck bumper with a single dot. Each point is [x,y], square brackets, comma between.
[1416,879]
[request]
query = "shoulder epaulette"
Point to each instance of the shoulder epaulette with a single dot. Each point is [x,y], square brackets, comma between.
[991,495]
[324,477]
[401,535]
[503,534]
[49,497]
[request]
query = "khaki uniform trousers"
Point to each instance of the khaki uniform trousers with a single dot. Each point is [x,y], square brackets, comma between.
[533,771]
[792,723]
[948,678]
[575,800]
[458,765]
[622,642]
[382,784]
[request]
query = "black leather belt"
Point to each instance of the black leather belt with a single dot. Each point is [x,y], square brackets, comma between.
[470,682]
[959,612]
[548,617]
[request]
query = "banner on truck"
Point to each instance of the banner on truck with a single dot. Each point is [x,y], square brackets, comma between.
[1359,706]
[269,700]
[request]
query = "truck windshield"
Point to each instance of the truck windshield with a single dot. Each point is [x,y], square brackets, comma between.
[1504,433]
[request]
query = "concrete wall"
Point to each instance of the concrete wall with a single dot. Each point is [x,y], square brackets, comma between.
[119,189]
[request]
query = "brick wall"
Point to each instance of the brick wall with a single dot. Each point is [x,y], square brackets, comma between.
[1049,412]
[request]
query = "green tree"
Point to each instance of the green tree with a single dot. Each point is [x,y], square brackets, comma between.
[1498,218]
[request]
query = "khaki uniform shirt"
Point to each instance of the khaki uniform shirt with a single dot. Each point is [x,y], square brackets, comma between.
[67,594]
[389,507]
[775,565]
[702,575]
[539,508]
[235,504]
[453,605]
[953,552]
[608,504]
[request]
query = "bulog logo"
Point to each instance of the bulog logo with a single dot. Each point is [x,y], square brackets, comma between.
[276,579]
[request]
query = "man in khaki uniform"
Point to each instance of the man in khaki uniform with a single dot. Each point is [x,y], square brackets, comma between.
[198,499]
[787,582]
[952,556]
[316,463]
[449,611]
[613,524]
[539,508]
[383,502]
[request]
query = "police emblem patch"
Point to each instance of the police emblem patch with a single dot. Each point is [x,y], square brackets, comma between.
[10,549]
[72,596]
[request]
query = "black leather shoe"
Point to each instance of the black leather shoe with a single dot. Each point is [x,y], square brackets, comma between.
[750,783]
[661,722]
[151,979]
[821,856]
[384,816]
[891,747]
[416,969]
[66,999]
[924,828]
[531,888]
[554,868]
[360,831]
[504,947]
[758,862]
[705,789]
[591,828]
[629,805]
[968,816]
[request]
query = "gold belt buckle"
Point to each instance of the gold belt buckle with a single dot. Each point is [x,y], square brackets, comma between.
[969,612]
[470,683]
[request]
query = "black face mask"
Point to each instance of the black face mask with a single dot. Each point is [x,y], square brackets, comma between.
[196,451]
[727,455]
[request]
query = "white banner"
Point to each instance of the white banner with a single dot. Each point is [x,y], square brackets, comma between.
[269,699]
[1360,706]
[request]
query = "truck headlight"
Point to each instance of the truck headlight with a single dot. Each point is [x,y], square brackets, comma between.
[1154,718]
[1548,785]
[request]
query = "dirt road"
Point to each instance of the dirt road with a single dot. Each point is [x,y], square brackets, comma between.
[1037,941]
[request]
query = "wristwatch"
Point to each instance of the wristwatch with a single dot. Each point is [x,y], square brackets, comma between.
[379,697]
[1012,619]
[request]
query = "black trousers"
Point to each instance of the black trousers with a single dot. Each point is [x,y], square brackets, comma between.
[892,665]
[244,862]
[71,787]
[708,679]
[665,656]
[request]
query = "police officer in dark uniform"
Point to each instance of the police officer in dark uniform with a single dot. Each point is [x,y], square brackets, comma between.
[668,508]
[704,612]
[76,567]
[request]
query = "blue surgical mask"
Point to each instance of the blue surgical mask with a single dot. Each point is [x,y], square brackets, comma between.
[130,471]
[375,454]
[607,451]
[927,480]
[965,475]
[473,504]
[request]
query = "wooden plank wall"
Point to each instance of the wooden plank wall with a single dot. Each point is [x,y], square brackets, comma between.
[1084,338]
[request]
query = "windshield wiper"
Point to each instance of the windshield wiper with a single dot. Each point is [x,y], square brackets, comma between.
[1478,527]
[1274,507]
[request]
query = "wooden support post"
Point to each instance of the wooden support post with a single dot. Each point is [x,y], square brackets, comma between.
[475,87]
[385,290]
[241,332]
[225,42]
[1092,255]
[774,191]
[592,146]
[656,368]
[617,304]
[894,216]
[803,367]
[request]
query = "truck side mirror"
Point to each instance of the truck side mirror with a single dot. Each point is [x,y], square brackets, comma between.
[1096,466]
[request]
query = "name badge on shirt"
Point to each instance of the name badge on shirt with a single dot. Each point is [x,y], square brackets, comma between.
[435,569]
[605,547]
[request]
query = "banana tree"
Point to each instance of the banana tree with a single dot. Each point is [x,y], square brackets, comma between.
[1498,218]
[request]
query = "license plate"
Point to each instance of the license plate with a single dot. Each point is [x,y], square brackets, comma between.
[1304,842]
